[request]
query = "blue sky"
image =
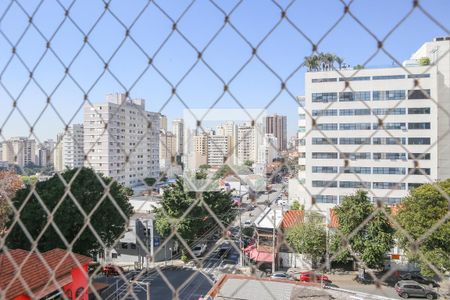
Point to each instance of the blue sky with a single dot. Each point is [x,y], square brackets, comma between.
[255,86]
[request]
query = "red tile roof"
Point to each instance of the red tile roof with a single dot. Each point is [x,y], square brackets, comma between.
[36,273]
[291,218]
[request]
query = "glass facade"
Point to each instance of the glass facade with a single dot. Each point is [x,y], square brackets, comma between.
[418,94]
[324,112]
[389,95]
[322,169]
[354,141]
[355,170]
[354,126]
[324,97]
[354,155]
[389,171]
[354,96]
[354,112]
[389,185]
[389,141]
[324,155]
[419,125]
[324,141]
[389,111]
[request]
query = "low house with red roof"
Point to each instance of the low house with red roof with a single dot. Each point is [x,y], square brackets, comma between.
[35,275]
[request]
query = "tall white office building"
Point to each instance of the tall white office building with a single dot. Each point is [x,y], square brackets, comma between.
[121,139]
[44,153]
[384,130]
[268,150]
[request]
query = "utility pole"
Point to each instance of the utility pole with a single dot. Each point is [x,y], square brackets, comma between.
[241,254]
[273,239]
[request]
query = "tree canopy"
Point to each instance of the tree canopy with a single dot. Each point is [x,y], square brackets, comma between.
[309,238]
[177,200]
[418,213]
[10,182]
[65,214]
[373,240]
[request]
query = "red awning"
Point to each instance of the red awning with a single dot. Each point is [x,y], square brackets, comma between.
[249,248]
[260,256]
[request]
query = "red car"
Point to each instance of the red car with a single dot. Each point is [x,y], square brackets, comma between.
[112,270]
[313,277]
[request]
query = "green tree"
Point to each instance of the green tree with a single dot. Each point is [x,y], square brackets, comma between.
[248,163]
[10,182]
[177,200]
[418,213]
[204,167]
[424,61]
[297,206]
[373,240]
[87,192]
[150,181]
[358,67]
[309,238]
[223,171]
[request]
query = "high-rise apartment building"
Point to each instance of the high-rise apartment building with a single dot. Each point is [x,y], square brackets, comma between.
[72,147]
[268,150]
[218,150]
[277,125]
[249,139]
[178,130]
[58,154]
[20,151]
[384,130]
[163,122]
[229,128]
[167,145]
[121,139]
[44,153]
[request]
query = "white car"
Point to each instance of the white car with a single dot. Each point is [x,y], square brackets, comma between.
[199,250]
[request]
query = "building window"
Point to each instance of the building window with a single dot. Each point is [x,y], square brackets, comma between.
[354,112]
[389,185]
[419,94]
[324,155]
[387,77]
[324,141]
[355,170]
[324,97]
[390,125]
[419,171]
[355,155]
[388,200]
[389,111]
[389,155]
[414,185]
[322,169]
[418,75]
[315,80]
[389,171]
[355,78]
[326,126]
[354,184]
[354,141]
[419,141]
[388,141]
[324,183]
[324,112]
[419,125]
[389,95]
[419,156]
[325,199]
[419,111]
[354,96]
[354,126]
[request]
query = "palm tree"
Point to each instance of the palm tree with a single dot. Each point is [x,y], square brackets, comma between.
[315,64]
[322,60]
[329,58]
[340,61]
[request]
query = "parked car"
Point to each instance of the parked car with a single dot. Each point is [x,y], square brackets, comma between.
[279,275]
[420,279]
[248,223]
[199,250]
[224,249]
[313,277]
[112,270]
[411,288]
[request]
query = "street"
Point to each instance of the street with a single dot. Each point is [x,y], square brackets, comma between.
[187,283]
